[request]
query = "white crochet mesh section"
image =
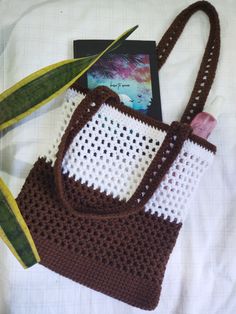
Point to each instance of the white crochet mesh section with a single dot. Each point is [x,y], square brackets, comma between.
[173,195]
[72,100]
[112,152]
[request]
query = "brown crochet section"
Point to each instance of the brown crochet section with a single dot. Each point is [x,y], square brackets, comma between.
[100,277]
[206,73]
[123,257]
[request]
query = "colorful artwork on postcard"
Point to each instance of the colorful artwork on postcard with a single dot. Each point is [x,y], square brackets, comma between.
[128,75]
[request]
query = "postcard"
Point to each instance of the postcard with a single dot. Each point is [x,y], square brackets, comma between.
[131,71]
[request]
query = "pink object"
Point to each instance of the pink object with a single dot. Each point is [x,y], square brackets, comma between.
[203,124]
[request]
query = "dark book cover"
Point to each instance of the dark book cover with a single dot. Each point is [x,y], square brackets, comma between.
[131,71]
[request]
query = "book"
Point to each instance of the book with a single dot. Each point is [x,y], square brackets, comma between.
[131,71]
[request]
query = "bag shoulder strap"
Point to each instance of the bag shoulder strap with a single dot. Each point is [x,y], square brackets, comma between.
[209,62]
[169,149]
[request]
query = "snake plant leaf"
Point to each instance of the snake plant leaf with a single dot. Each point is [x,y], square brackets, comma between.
[40,87]
[14,231]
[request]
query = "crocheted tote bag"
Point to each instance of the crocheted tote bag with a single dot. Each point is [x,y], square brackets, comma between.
[106,204]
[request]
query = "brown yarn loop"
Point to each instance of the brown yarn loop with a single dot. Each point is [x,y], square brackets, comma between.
[176,134]
[206,73]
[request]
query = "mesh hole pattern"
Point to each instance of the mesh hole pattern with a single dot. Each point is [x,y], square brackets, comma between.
[112,152]
[171,198]
[138,244]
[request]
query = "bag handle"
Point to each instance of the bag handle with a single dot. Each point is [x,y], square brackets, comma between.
[209,62]
[176,135]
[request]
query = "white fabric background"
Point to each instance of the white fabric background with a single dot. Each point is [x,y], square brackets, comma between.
[201,273]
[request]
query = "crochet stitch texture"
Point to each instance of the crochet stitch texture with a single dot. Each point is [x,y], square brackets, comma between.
[124,257]
[106,203]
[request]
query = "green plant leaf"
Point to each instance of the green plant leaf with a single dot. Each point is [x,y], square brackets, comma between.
[40,87]
[14,231]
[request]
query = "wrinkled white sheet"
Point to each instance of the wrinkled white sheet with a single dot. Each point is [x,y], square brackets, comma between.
[201,273]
